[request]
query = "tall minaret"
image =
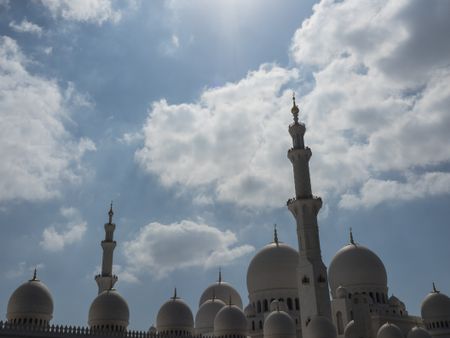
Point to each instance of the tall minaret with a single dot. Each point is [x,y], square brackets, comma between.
[313,288]
[106,279]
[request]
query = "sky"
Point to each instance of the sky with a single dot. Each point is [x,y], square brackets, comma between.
[177,111]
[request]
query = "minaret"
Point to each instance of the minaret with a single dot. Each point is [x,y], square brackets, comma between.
[106,279]
[313,288]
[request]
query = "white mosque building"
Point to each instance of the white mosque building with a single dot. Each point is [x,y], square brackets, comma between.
[288,291]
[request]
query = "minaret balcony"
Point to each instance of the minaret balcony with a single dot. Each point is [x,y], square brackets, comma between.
[299,154]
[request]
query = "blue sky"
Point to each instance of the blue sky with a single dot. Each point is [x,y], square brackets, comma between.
[178,111]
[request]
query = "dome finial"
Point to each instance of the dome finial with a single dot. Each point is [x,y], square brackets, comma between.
[111,213]
[220,275]
[294,109]
[174,293]
[351,237]
[434,289]
[34,274]
[275,234]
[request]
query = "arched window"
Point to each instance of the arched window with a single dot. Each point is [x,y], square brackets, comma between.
[340,323]
[297,304]
[260,325]
[259,306]
[351,315]
[378,297]
[383,298]
[349,296]
[289,303]
[266,305]
[253,325]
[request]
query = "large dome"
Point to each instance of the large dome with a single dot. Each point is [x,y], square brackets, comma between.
[273,267]
[204,320]
[279,324]
[223,291]
[31,300]
[109,310]
[175,315]
[356,265]
[230,320]
[436,305]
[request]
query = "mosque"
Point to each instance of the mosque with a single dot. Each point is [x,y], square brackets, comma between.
[288,291]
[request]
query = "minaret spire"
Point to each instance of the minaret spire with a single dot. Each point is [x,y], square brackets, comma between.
[111,213]
[313,288]
[220,275]
[106,279]
[294,109]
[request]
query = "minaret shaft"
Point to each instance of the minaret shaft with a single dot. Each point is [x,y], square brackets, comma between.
[313,288]
[106,279]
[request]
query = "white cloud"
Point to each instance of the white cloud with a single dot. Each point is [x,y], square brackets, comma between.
[234,139]
[380,104]
[38,154]
[131,138]
[375,191]
[26,27]
[94,11]
[160,249]
[56,238]
[377,107]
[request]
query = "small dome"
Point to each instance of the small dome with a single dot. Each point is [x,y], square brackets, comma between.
[356,265]
[273,267]
[279,324]
[436,305]
[418,332]
[350,330]
[175,314]
[223,291]
[230,320]
[389,330]
[341,292]
[320,327]
[204,320]
[109,310]
[31,300]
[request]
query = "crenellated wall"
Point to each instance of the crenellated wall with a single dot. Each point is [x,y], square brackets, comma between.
[9,330]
